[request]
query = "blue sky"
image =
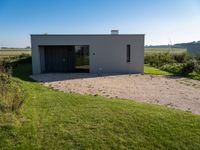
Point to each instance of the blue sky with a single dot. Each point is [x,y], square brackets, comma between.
[163,21]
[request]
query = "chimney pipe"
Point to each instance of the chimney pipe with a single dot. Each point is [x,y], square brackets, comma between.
[114,32]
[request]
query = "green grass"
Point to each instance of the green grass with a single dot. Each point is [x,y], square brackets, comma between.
[165,50]
[51,119]
[155,71]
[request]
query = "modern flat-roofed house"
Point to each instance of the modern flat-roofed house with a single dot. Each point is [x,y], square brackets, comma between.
[111,53]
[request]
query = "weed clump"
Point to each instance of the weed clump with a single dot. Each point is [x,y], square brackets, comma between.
[11,93]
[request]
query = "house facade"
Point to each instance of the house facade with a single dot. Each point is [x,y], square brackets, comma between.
[109,53]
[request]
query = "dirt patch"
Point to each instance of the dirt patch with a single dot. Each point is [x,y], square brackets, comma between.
[174,92]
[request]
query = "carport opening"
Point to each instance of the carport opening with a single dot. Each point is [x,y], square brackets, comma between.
[73,58]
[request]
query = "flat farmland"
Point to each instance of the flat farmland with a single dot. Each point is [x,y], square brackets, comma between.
[13,52]
[165,50]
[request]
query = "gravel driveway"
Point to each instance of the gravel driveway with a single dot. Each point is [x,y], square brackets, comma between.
[174,92]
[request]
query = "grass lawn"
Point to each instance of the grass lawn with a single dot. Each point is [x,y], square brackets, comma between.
[52,119]
[155,71]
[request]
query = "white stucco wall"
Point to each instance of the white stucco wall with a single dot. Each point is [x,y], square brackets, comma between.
[106,51]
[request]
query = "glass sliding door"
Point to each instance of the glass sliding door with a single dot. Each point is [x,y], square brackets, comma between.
[82,58]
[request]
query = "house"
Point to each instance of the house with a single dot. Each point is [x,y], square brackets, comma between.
[109,53]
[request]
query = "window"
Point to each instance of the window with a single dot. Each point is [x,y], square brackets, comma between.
[82,58]
[128,53]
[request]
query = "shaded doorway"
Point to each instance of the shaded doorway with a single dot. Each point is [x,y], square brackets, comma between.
[65,59]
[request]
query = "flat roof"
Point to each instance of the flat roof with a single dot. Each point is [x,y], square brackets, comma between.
[87,34]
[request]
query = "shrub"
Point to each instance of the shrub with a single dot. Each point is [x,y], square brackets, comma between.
[176,63]
[5,66]
[158,60]
[194,75]
[189,66]
[11,94]
[180,58]
[173,68]
[197,68]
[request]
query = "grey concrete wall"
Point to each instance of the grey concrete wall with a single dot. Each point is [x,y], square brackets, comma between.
[107,52]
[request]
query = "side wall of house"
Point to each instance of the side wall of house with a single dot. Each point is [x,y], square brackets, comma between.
[107,52]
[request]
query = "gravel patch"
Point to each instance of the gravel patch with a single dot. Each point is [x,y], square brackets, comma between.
[181,93]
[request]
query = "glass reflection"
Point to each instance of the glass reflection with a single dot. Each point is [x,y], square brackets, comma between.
[82,58]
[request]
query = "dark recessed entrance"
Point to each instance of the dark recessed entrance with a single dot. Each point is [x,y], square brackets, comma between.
[66,59]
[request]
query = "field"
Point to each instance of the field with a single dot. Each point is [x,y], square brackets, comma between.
[165,50]
[50,119]
[14,52]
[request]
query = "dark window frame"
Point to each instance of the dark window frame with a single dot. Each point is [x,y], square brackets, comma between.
[128,53]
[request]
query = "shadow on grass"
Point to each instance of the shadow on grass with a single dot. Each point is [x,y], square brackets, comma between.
[22,69]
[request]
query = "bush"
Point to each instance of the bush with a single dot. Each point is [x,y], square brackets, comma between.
[189,67]
[182,68]
[180,58]
[5,66]
[197,68]
[11,94]
[180,64]
[194,75]
[173,68]
[158,60]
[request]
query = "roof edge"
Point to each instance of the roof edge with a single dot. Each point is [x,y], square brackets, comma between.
[86,35]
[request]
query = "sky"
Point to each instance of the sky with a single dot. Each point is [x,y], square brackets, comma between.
[162,21]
